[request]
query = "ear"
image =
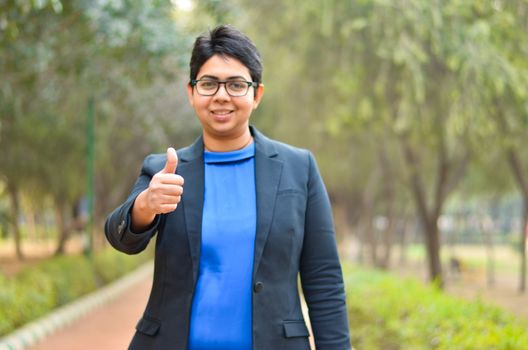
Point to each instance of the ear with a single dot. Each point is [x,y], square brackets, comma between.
[259,92]
[190,92]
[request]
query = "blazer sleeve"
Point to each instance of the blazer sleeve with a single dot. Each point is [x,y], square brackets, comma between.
[320,270]
[117,226]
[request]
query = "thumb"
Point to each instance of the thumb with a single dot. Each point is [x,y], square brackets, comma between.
[172,162]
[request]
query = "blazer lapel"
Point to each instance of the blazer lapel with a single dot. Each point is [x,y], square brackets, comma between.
[191,168]
[268,171]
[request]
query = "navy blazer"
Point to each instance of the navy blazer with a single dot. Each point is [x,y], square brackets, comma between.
[295,235]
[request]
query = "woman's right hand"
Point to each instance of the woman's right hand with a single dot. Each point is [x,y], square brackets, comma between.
[161,197]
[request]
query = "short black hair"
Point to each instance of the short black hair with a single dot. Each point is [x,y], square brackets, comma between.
[226,40]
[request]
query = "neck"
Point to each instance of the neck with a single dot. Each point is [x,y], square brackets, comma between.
[227,144]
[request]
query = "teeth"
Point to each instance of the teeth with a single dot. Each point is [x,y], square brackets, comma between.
[221,112]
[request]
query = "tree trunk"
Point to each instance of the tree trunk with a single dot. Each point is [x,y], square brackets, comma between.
[4,228]
[15,213]
[388,199]
[519,175]
[64,230]
[432,238]
[524,232]
[371,236]
[428,218]
[368,213]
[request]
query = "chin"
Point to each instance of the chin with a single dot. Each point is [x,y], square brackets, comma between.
[226,129]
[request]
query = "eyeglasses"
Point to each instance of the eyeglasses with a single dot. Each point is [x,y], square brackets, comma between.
[234,88]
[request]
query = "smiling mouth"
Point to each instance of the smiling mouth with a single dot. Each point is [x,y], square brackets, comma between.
[221,115]
[222,112]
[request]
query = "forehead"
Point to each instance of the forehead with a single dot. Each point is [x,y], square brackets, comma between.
[224,67]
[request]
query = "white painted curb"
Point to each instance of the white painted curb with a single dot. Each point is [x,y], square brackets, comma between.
[37,330]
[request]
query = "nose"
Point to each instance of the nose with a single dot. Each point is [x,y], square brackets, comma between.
[221,94]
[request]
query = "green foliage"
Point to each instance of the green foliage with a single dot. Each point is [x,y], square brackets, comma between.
[350,80]
[387,312]
[120,264]
[70,276]
[55,57]
[24,300]
[37,290]
[410,92]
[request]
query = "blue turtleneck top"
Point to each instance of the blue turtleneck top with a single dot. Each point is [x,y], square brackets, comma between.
[221,315]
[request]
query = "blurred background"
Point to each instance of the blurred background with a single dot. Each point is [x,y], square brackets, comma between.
[416,111]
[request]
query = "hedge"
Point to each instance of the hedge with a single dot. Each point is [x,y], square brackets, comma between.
[39,289]
[391,313]
[385,312]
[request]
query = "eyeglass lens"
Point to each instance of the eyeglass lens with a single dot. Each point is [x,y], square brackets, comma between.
[234,87]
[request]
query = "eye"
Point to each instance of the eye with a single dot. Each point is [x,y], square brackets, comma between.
[208,84]
[237,85]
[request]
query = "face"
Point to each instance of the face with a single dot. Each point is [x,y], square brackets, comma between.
[224,117]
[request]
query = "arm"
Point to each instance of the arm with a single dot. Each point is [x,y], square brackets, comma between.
[118,226]
[130,227]
[142,217]
[320,270]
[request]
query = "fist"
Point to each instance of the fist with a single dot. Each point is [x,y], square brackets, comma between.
[165,188]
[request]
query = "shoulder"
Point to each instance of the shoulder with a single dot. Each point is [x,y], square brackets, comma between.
[153,163]
[287,153]
[296,157]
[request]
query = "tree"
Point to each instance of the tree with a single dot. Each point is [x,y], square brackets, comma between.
[57,57]
[500,71]
[400,66]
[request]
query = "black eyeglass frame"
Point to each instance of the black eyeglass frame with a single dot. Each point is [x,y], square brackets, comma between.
[250,84]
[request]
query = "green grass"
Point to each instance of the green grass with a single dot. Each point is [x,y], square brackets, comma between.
[390,313]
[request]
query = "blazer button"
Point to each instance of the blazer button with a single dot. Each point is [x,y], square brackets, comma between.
[121,227]
[258,287]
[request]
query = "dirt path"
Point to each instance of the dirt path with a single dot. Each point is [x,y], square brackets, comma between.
[109,327]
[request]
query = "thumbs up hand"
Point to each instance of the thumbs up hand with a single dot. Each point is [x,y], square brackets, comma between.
[171,163]
[165,188]
[161,197]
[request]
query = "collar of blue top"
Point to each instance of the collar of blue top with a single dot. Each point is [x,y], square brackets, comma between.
[263,146]
[232,156]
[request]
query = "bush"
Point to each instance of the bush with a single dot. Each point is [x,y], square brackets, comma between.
[390,313]
[37,290]
[70,276]
[23,300]
[120,265]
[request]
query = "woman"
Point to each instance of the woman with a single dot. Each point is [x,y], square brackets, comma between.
[238,217]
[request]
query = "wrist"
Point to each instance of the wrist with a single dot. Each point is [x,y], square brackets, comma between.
[141,204]
[142,217]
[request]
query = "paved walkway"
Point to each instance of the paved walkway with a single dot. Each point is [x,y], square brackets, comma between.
[109,327]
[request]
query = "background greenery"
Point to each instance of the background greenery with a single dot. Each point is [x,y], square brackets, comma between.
[415,109]
[410,106]
[391,313]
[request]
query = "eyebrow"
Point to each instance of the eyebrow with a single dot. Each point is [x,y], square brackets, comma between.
[234,77]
